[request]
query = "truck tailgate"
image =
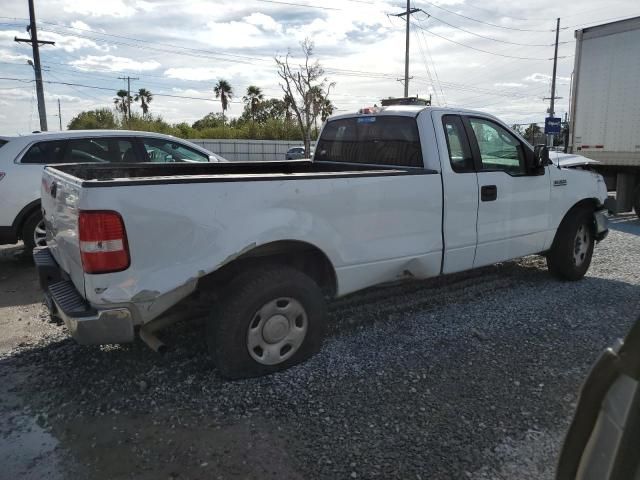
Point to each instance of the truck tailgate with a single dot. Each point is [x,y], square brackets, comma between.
[60,196]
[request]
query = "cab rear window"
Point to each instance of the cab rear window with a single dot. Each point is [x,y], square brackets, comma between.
[2,142]
[376,140]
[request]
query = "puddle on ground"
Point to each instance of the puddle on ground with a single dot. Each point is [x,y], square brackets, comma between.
[27,450]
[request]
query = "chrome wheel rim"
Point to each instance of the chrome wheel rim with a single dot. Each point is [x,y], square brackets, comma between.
[40,235]
[277,330]
[581,245]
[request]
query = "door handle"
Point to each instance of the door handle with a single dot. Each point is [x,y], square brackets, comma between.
[488,193]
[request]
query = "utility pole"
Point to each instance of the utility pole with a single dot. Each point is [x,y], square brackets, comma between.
[59,115]
[128,79]
[35,44]
[408,13]
[552,108]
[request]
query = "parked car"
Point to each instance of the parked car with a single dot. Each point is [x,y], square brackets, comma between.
[22,159]
[295,153]
[406,192]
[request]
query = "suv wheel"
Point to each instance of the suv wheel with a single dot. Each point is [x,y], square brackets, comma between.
[34,233]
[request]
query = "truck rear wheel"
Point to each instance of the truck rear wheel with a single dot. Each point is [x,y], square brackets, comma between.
[572,249]
[270,319]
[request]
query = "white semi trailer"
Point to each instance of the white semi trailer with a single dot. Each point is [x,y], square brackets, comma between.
[605,106]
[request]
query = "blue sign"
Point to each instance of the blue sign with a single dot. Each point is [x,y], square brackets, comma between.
[552,125]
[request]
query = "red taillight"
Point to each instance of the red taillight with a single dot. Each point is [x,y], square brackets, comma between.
[103,242]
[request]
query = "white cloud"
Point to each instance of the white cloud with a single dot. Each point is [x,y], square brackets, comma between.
[66,42]
[99,8]
[195,73]
[509,84]
[245,35]
[263,21]
[546,79]
[113,63]
[80,25]
[190,92]
[6,55]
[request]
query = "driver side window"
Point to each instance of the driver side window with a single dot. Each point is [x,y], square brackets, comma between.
[499,149]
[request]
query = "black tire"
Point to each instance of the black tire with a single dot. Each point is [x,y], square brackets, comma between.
[249,292]
[636,201]
[570,257]
[28,230]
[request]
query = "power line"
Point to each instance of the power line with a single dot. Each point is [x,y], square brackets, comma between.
[485,23]
[111,89]
[485,51]
[487,37]
[493,12]
[303,5]
[426,66]
[594,22]
[426,44]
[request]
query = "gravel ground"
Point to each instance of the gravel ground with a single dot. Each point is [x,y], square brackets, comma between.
[467,376]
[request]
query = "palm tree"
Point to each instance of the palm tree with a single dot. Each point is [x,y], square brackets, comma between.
[121,101]
[224,92]
[253,97]
[144,96]
[326,109]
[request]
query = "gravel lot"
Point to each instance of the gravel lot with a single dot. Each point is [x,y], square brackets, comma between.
[467,376]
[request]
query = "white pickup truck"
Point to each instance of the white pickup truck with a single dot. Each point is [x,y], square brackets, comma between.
[401,192]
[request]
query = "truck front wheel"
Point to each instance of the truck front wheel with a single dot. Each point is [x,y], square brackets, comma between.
[269,319]
[572,249]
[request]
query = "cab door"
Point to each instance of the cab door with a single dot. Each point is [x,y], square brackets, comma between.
[513,202]
[460,197]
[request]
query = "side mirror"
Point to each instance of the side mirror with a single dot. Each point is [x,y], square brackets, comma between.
[540,156]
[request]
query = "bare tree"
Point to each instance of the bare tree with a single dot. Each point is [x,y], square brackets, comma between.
[301,85]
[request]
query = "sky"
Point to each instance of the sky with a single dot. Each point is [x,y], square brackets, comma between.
[488,55]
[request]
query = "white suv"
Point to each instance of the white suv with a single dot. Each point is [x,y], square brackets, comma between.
[22,159]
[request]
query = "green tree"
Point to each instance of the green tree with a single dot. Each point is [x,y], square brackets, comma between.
[145,97]
[271,108]
[533,133]
[224,92]
[517,128]
[121,101]
[210,120]
[93,119]
[252,99]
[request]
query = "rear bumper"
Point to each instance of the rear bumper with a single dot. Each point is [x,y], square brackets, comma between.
[87,325]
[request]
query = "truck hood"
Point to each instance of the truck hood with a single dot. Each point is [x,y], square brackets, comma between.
[570,160]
